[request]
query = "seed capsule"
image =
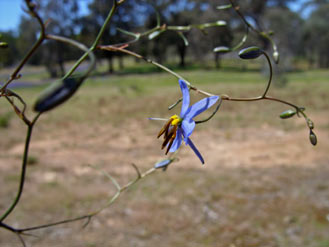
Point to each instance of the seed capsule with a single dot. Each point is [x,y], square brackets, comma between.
[250,52]
[57,93]
[313,138]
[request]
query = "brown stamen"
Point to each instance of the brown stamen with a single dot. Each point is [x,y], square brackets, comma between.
[165,128]
[170,138]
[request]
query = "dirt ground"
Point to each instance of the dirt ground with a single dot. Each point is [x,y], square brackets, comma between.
[262,185]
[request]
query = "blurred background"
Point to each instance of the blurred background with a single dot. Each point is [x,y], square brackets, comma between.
[263,184]
[300,29]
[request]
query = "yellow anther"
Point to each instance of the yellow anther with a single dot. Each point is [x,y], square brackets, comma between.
[176,120]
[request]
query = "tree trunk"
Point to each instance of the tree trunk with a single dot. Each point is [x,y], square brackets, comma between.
[217,60]
[60,60]
[182,53]
[110,61]
[121,65]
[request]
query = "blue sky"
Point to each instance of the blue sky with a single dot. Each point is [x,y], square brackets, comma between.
[11,11]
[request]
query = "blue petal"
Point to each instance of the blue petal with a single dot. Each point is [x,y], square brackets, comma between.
[186,98]
[201,106]
[187,127]
[196,151]
[162,163]
[177,142]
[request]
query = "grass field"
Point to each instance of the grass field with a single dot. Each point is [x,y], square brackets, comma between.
[263,184]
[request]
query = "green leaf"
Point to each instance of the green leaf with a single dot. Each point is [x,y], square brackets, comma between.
[250,52]
[287,114]
[222,49]
[224,6]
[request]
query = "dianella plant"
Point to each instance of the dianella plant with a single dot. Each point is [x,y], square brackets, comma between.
[175,130]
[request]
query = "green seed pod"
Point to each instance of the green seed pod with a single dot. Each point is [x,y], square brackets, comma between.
[57,94]
[313,138]
[287,114]
[222,49]
[3,45]
[250,52]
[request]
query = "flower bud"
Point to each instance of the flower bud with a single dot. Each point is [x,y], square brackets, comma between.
[276,57]
[163,164]
[310,124]
[287,114]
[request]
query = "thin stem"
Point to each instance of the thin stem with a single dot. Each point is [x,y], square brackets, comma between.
[228,98]
[271,74]
[100,34]
[236,9]
[79,46]
[23,173]
[213,114]
[140,176]
[262,34]
[23,170]
[31,51]
[20,114]
[119,49]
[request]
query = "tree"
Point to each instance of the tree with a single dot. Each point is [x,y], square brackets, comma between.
[125,18]
[9,55]
[316,37]
[62,16]
[285,24]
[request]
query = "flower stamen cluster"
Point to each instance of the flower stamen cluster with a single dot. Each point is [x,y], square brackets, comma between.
[179,128]
[169,130]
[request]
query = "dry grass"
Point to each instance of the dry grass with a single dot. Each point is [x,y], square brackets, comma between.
[263,184]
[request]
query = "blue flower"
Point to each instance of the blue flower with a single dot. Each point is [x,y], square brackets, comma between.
[180,127]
